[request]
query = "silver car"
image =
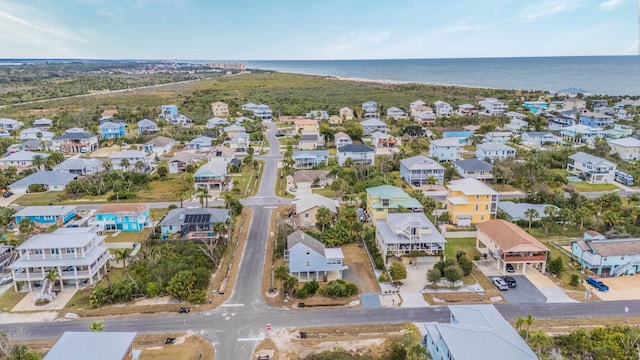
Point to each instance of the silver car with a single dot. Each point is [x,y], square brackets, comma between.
[500,284]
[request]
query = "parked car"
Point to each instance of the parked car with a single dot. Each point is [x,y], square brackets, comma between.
[597,283]
[511,282]
[184,310]
[500,284]
[510,268]
[6,279]
[7,194]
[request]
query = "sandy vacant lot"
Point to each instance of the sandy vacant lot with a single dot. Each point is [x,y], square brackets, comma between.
[625,287]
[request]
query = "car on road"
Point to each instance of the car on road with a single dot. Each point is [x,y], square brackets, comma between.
[184,310]
[500,284]
[597,283]
[7,194]
[510,268]
[6,279]
[511,282]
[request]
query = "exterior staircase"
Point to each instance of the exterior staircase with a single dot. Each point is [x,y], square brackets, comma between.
[46,293]
[621,269]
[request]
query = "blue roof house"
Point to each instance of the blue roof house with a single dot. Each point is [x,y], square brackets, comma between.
[111,130]
[47,215]
[122,217]
[595,119]
[147,126]
[169,111]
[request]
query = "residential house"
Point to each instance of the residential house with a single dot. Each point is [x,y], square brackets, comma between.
[35,134]
[108,114]
[604,110]
[335,120]
[507,243]
[341,139]
[581,134]
[358,153]
[80,166]
[122,217]
[8,125]
[369,109]
[45,216]
[317,115]
[233,130]
[595,120]
[132,160]
[242,119]
[420,170]
[463,137]
[201,144]
[101,345]
[346,113]
[306,208]
[28,145]
[179,120]
[159,145]
[386,199]
[112,130]
[501,137]
[74,130]
[75,143]
[78,255]
[261,112]
[6,257]
[43,124]
[598,102]
[467,109]
[213,176]
[535,107]
[396,113]
[424,117]
[518,211]
[306,159]
[447,149]
[474,332]
[146,126]
[593,169]
[619,131]
[168,111]
[572,92]
[239,142]
[178,163]
[401,234]
[383,140]
[372,125]
[216,122]
[627,148]
[626,102]
[443,109]
[516,126]
[307,179]
[607,257]
[512,115]
[50,180]
[219,108]
[192,220]
[539,138]
[493,106]
[309,259]
[494,151]
[474,169]
[224,153]
[624,115]
[416,104]
[470,202]
[21,160]
[310,141]
[574,103]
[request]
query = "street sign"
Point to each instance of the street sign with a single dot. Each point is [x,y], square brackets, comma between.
[268,327]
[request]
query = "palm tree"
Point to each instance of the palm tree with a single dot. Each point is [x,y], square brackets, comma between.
[52,275]
[324,217]
[531,214]
[281,273]
[123,254]
[96,326]
[203,195]
[27,226]
[108,165]
[39,161]
[139,165]
[124,164]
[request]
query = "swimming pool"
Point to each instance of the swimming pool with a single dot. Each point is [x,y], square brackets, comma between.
[574,179]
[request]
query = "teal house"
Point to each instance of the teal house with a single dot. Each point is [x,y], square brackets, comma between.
[47,215]
[122,217]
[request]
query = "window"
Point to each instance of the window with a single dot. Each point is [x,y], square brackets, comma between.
[55,251]
[306,215]
[477,197]
[385,202]
[307,263]
[486,207]
[70,250]
[308,252]
[37,251]
[476,207]
[48,217]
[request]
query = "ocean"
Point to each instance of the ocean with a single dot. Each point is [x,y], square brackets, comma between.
[601,75]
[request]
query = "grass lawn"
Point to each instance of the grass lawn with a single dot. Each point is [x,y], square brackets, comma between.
[247,179]
[468,245]
[158,213]
[130,236]
[584,186]
[327,192]
[281,185]
[80,299]
[286,141]
[10,299]
[333,151]
[162,190]
[35,199]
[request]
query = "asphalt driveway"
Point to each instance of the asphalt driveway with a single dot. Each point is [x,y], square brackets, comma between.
[524,292]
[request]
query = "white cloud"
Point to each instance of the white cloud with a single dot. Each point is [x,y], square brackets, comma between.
[610,4]
[546,9]
[40,28]
[632,49]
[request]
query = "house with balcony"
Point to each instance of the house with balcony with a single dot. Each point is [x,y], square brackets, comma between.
[261,111]
[8,125]
[372,125]
[474,330]
[178,163]
[80,166]
[43,124]
[540,138]
[474,169]
[122,217]
[233,130]
[494,151]
[75,143]
[627,148]
[595,120]
[220,109]
[369,109]
[305,209]
[132,160]
[592,169]
[516,126]
[424,117]
[447,149]
[619,131]
[386,199]
[79,256]
[76,345]
[239,142]
[421,170]
[309,259]
[443,109]
[493,106]
[401,234]
[501,137]
[146,126]
[45,216]
[21,160]
[467,110]
[201,144]
[470,202]
[112,130]
[581,134]
[167,111]
[192,220]
[35,134]
[383,140]
[49,180]
[346,113]
[216,122]
[158,146]
[317,115]
[342,139]
[396,113]
[306,159]
[607,257]
[213,176]
[359,154]
[179,120]
[507,243]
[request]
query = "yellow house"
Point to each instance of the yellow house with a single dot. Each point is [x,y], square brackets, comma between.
[470,202]
[306,124]
[385,199]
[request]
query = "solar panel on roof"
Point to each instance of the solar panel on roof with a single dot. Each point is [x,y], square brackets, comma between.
[197,218]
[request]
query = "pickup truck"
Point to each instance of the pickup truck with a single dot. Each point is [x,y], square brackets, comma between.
[597,283]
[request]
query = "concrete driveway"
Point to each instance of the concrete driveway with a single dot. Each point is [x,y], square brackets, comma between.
[625,287]
[551,291]
[524,292]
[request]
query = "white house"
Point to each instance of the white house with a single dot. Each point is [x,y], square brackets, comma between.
[372,125]
[146,126]
[494,151]
[474,169]
[201,143]
[309,259]
[35,134]
[593,169]
[158,145]
[80,166]
[7,125]
[132,160]
[75,143]
[516,125]
[493,106]
[581,134]
[43,124]
[420,170]
[358,153]
[215,122]
[447,149]
[502,137]
[307,206]
[443,109]
[341,139]
[213,176]
[395,113]
[539,138]
[626,148]
[21,160]
[400,234]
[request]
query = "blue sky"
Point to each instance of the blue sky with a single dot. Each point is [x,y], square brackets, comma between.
[315,29]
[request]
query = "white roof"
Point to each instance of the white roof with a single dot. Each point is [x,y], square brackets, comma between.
[101,345]
[471,187]
[128,154]
[60,240]
[23,156]
[494,146]
[333,253]
[421,162]
[626,142]
[372,122]
[315,200]
[215,166]
[45,210]
[450,141]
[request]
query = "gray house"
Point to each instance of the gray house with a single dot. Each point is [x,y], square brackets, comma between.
[308,258]
[188,220]
[51,180]
[80,166]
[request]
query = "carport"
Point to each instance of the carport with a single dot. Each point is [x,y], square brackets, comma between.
[508,244]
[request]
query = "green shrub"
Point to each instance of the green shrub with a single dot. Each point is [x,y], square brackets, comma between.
[340,288]
[383,278]
[575,280]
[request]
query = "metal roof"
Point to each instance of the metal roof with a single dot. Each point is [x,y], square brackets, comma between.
[179,217]
[95,345]
[56,210]
[47,177]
